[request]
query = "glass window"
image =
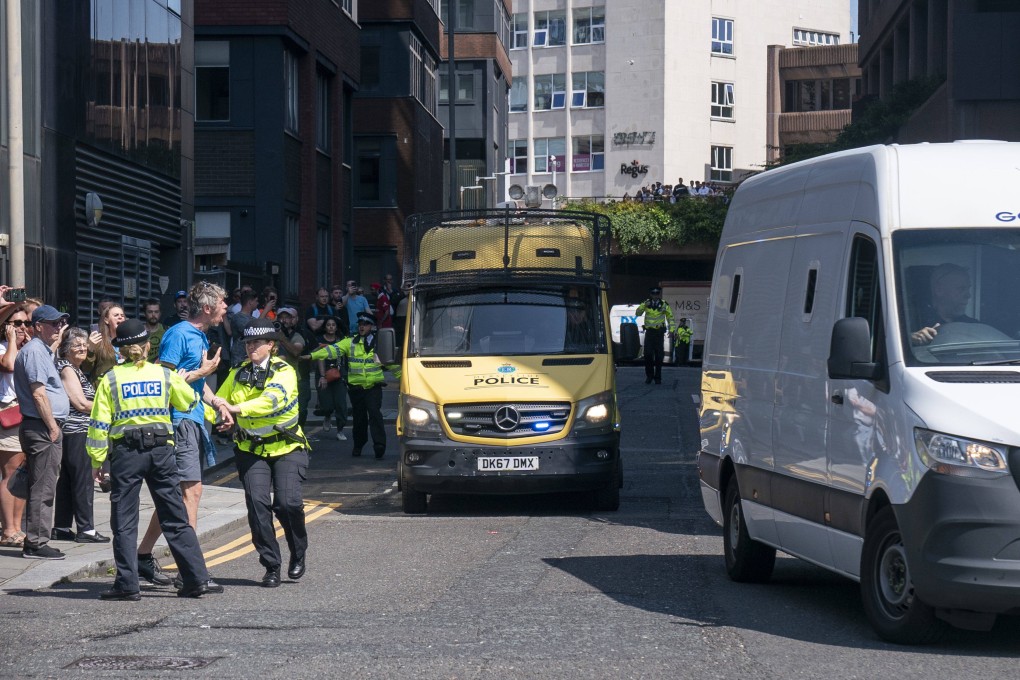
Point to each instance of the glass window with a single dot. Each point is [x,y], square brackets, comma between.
[550,146]
[518,95]
[466,86]
[369,167]
[518,157]
[290,87]
[550,91]
[520,32]
[804,37]
[722,100]
[722,36]
[589,25]
[370,66]
[588,90]
[550,29]
[292,255]
[212,80]
[323,108]
[589,153]
[722,164]
[826,94]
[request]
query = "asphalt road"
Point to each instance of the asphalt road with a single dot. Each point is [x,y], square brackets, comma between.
[522,587]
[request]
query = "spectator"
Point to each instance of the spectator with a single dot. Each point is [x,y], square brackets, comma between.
[319,310]
[75,488]
[151,312]
[180,309]
[332,380]
[236,300]
[383,307]
[12,508]
[102,354]
[394,293]
[267,304]
[292,344]
[237,322]
[354,303]
[44,404]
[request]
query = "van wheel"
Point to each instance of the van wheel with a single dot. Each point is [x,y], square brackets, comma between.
[607,499]
[413,502]
[892,607]
[747,560]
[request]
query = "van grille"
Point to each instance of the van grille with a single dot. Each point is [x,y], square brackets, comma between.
[515,419]
[982,377]
[452,363]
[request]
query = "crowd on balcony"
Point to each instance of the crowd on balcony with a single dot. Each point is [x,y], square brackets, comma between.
[671,193]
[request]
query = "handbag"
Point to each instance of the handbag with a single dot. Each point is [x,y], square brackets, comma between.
[332,374]
[18,483]
[10,417]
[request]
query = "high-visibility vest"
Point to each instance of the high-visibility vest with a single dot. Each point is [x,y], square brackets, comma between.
[269,413]
[130,396]
[660,316]
[683,334]
[363,369]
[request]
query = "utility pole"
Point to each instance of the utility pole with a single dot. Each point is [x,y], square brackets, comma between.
[451,97]
[16,144]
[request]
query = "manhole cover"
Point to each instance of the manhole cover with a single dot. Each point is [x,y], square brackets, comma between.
[141,663]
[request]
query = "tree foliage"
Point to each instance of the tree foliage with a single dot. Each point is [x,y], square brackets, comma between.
[643,227]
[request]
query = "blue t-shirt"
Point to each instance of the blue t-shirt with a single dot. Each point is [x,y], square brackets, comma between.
[184,346]
[355,304]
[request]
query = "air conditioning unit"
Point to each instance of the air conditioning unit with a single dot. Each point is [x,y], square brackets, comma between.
[533,197]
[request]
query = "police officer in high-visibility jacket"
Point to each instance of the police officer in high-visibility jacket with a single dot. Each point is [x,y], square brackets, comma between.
[131,420]
[658,320]
[270,450]
[365,381]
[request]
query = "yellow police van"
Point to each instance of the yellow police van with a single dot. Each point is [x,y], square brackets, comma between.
[508,384]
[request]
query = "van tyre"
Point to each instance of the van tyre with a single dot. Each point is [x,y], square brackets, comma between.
[413,502]
[747,560]
[607,499]
[892,607]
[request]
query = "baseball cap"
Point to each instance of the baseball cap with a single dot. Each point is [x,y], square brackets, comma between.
[180,294]
[287,310]
[47,313]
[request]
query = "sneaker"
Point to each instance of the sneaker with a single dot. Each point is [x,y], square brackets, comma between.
[43,552]
[341,437]
[326,425]
[149,569]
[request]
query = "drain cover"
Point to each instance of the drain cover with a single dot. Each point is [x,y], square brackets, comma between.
[141,663]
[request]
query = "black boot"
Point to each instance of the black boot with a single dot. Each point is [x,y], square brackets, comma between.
[272,578]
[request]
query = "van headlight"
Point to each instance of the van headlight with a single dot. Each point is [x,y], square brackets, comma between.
[955,455]
[595,414]
[421,418]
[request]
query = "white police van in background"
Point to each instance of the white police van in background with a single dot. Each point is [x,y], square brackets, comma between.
[626,314]
[831,429]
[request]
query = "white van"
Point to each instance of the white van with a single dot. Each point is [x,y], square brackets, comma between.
[626,314]
[860,398]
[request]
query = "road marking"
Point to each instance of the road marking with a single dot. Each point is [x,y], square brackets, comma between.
[348,493]
[224,480]
[242,546]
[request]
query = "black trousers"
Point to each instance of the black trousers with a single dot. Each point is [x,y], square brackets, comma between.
[129,466]
[653,352]
[75,486]
[366,406]
[283,476]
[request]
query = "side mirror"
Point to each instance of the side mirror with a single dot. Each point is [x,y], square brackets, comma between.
[386,345]
[850,351]
[630,342]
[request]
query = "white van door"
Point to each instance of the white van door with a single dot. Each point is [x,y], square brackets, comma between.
[802,402]
[858,407]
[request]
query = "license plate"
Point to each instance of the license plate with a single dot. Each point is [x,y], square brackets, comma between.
[508,463]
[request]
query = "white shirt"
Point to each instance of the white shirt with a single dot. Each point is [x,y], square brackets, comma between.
[7,393]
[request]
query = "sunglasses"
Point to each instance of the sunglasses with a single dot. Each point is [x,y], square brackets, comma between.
[59,323]
[17,323]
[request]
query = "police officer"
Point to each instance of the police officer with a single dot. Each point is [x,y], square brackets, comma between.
[364,382]
[270,450]
[658,320]
[682,336]
[131,420]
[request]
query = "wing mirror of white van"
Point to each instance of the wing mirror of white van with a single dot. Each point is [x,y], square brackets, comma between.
[850,351]
[386,345]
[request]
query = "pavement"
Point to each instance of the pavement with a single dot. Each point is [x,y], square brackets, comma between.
[221,511]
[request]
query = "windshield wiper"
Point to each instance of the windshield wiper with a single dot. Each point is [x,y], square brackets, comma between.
[1005,362]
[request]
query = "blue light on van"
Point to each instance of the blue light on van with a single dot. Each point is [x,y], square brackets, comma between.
[541,427]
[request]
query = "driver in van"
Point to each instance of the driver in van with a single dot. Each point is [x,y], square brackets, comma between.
[950,293]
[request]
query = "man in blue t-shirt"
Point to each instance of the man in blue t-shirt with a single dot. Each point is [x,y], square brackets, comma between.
[354,302]
[184,348]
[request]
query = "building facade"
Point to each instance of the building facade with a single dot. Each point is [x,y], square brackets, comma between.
[274,85]
[480,100]
[811,91]
[107,111]
[970,44]
[612,96]
[398,139]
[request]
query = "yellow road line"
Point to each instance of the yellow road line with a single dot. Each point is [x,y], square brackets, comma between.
[224,480]
[243,545]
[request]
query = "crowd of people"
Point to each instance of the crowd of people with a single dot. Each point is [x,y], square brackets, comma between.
[78,406]
[671,193]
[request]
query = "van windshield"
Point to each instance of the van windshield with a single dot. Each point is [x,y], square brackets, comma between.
[508,321]
[957,296]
